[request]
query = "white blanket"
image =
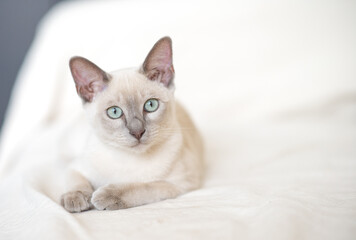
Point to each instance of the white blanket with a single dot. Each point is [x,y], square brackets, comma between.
[270,84]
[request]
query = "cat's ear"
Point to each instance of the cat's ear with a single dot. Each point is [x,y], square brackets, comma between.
[158,65]
[89,79]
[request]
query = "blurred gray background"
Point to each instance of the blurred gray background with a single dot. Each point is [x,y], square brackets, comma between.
[18,20]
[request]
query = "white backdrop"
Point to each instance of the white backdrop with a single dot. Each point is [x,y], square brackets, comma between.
[270,84]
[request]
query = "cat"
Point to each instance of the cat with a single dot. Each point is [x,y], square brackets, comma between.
[143,148]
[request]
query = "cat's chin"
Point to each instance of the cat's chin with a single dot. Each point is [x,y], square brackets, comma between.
[138,147]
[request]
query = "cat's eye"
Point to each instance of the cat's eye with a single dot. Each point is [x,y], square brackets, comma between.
[151,105]
[114,112]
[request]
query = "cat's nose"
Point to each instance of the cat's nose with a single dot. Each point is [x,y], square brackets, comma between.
[136,127]
[137,133]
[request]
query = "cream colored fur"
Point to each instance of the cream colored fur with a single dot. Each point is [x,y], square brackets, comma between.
[116,170]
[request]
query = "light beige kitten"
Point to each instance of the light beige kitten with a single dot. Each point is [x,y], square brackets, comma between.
[144,147]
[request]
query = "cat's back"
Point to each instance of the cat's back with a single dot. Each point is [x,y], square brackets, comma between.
[191,162]
[191,135]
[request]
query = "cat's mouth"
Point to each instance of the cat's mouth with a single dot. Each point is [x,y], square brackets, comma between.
[138,143]
[138,147]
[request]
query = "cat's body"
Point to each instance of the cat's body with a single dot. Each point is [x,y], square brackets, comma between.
[143,147]
[119,165]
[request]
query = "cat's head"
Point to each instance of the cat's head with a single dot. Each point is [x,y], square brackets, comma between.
[130,108]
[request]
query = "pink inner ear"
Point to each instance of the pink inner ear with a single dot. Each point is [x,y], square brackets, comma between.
[158,64]
[164,59]
[89,78]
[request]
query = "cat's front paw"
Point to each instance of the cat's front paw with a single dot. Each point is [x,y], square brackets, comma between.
[76,201]
[108,198]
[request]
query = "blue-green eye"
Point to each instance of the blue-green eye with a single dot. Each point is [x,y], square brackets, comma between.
[114,112]
[151,105]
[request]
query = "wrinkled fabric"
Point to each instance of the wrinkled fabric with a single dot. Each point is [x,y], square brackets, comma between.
[271,86]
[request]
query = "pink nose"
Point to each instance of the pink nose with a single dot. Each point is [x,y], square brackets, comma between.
[138,134]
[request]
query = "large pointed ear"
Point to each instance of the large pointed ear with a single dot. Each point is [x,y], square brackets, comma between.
[158,65]
[89,79]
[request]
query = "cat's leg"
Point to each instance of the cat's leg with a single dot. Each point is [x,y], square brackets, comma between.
[117,196]
[79,191]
